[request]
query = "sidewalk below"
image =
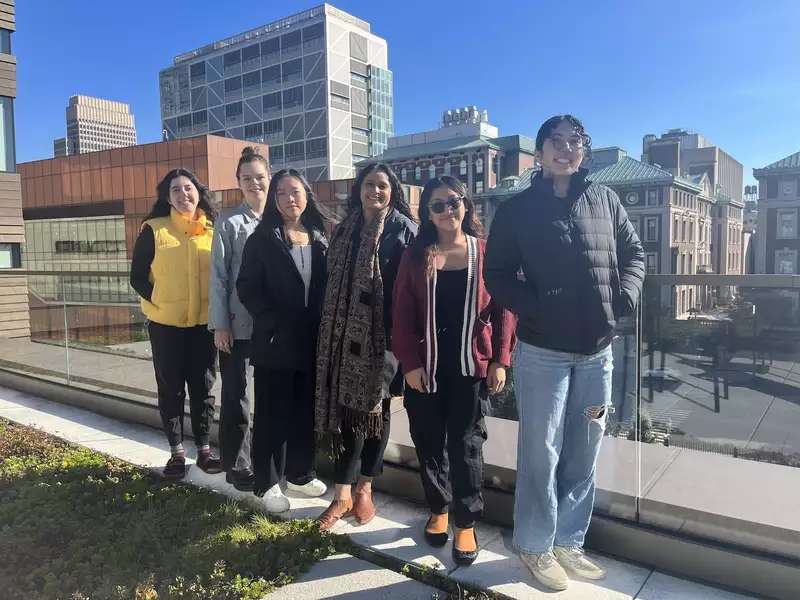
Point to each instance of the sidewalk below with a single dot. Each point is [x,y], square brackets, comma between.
[396,532]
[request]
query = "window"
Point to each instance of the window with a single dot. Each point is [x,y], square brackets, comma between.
[683,230]
[462,167]
[253,131]
[251,56]
[293,97]
[417,173]
[317,148]
[447,168]
[787,224]
[197,73]
[271,102]
[432,171]
[292,71]
[650,263]
[478,187]
[252,81]
[675,228]
[233,110]
[270,49]
[8,157]
[403,173]
[273,128]
[10,254]
[691,231]
[479,165]
[271,76]
[5,41]
[652,197]
[651,229]
[295,151]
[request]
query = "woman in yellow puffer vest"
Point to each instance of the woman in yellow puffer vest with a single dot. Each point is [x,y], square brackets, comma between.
[170,271]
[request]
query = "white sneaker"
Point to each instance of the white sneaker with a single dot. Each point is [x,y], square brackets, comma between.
[546,570]
[576,563]
[275,501]
[312,489]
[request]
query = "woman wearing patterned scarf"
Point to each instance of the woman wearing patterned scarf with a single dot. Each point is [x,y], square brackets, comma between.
[356,372]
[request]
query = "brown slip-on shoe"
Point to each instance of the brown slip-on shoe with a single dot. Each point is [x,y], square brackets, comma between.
[338,509]
[363,507]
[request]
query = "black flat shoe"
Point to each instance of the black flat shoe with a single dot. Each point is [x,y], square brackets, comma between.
[465,557]
[244,480]
[437,540]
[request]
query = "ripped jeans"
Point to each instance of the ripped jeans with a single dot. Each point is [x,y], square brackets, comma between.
[563,401]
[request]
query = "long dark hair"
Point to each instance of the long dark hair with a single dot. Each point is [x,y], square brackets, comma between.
[422,248]
[314,217]
[398,198]
[162,207]
[251,154]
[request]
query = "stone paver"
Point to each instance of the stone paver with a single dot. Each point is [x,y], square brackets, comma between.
[345,577]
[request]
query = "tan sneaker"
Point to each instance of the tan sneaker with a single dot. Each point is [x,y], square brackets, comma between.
[546,570]
[575,563]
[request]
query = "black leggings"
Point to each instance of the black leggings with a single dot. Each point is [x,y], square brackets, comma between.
[362,456]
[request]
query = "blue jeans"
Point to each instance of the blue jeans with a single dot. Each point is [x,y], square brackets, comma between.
[558,397]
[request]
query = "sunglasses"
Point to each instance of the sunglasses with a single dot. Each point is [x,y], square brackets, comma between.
[453,202]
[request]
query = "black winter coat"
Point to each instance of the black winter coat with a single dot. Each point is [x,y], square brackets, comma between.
[569,267]
[271,289]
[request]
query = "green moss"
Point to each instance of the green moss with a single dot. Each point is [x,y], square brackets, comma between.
[78,524]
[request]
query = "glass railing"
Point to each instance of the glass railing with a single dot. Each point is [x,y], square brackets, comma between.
[703,439]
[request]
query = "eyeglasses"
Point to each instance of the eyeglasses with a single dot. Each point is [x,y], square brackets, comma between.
[453,202]
[563,144]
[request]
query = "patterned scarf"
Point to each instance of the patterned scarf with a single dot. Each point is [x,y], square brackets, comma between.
[350,352]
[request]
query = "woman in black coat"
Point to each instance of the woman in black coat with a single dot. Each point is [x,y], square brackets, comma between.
[282,284]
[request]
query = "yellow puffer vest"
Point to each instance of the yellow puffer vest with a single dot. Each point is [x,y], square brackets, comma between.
[179,271]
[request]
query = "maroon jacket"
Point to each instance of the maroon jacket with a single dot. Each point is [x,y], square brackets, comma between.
[489,330]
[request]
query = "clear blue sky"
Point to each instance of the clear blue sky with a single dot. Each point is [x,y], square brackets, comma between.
[726,68]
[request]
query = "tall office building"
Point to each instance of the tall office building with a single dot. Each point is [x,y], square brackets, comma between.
[683,152]
[314,86]
[96,124]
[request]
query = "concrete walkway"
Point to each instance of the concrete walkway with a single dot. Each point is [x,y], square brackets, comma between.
[396,532]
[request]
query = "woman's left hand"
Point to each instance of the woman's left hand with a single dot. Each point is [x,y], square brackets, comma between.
[496,378]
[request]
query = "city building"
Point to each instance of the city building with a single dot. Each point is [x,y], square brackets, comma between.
[683,152]
[14,320]
[673,216]
[315,86]
[62,147]
[95,124]
[777,238]
[465,146]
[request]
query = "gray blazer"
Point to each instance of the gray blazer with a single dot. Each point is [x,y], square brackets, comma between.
[225,311]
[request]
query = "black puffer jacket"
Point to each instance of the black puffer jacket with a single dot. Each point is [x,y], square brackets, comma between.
[272,290]
[569,267]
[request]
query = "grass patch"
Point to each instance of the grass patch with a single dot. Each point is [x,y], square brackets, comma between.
[76,524]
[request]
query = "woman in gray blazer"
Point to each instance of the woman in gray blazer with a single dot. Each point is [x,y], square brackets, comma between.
[229,320]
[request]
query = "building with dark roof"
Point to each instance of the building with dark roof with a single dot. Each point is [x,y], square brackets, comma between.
[465,146]
[777,238]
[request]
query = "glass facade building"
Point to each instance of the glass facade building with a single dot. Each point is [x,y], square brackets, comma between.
[314,87]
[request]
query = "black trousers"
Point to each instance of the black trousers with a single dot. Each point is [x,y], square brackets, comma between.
[362,455]
[448,430]
[283,427]
[184,357]
[234,417]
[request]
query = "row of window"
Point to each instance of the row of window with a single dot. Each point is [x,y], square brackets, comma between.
[290,44]
[783,188]
[446,170]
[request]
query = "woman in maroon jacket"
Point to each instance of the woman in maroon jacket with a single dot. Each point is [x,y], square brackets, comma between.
[454,344]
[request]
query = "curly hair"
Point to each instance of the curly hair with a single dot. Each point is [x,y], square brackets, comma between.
[162,207]
[424,245]
[547,128]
